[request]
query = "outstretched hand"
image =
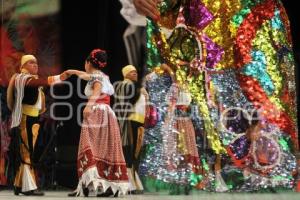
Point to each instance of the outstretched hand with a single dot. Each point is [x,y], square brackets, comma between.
[147,8]
[65,75]
[80,74]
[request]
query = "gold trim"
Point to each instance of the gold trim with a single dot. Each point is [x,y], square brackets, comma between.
[137,117]
[43,102]
[30,110]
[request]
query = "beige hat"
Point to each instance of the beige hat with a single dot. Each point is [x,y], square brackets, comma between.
[127,69]
[26,58]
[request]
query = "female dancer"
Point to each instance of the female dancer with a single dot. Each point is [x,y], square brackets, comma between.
[100,165]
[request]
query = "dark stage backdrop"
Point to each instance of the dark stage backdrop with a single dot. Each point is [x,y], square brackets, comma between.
[85,26]
[92,24]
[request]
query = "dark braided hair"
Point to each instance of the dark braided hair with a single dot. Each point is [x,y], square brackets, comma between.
[97,58]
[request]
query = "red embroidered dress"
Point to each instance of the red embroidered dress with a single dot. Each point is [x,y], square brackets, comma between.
[100,163]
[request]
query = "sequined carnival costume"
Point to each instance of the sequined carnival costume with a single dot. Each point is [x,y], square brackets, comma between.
[236,57]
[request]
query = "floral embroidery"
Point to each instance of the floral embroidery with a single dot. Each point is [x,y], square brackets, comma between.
[83,162]
[95,77]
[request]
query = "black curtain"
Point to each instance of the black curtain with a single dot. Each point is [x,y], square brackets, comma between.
[85,25]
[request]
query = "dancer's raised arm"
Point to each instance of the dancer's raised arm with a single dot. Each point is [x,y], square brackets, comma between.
[80,74]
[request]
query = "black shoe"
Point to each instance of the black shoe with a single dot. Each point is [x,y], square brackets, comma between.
[131,192]
[33,193]
[26,193]
[85,191]
[17,190]
[37,193]
[116,194]
[73,194]
[107,193]
[103,195]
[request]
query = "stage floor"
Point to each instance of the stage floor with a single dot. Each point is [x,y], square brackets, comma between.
[61,195]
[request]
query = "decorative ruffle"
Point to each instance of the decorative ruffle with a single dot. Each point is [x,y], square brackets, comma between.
[95,183]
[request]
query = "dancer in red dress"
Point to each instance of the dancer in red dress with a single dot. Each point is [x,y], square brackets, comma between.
[101,165]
